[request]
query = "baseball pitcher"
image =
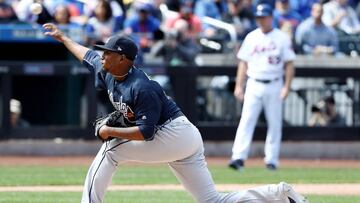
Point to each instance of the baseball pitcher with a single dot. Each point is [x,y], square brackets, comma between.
[158,131]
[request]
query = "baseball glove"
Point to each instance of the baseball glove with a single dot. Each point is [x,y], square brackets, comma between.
[114,119]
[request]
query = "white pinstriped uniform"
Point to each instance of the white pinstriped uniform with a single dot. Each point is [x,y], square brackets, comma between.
[265,55]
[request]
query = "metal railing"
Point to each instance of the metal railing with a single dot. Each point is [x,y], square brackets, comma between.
[184,83]
[229,28]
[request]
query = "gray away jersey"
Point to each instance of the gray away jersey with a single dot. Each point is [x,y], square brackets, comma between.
[140,99]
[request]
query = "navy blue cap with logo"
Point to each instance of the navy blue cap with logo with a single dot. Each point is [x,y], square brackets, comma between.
[121,45]
[263,10]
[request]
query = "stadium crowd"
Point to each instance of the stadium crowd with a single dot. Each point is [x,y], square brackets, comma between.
[315,26]
[178,30]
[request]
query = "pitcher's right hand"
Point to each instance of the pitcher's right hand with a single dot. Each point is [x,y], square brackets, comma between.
[54,31]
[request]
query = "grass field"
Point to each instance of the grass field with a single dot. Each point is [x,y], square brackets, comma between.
[46,175]
[160,174]
[136,197]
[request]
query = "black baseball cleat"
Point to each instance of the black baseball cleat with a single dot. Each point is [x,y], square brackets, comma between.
[271,167]
[237,164]
[291,200]
[293,196]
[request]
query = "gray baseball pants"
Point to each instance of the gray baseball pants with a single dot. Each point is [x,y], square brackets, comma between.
[179,144]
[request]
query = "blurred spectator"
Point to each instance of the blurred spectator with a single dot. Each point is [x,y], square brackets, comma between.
[241,16]
[103,24]
[62,16]
[357,10]
[82,10]
[186,13]
[314,37]
[156,12]
[353,3]
[15,115]
[285,18]
[21,8]
[75,6]
[178,48]
[44,16]
[173,5]
[75,9]
[303,7]
[142,26]
[7,13]
[269,2]
[338,14]
[324,114]
[117,7]
[24,14]
[210,8]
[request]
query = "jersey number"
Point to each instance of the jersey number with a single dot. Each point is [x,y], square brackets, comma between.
[274,60]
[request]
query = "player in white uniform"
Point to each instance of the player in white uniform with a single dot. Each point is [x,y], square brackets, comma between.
[162,134]
[265,55]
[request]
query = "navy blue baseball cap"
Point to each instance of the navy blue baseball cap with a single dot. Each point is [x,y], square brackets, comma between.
[263,10]
[121,45]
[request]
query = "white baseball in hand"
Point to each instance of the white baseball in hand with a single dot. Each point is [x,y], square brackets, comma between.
[36,8]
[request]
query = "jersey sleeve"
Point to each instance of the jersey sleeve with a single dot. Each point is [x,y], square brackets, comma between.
[147,112]
[288,51]
[92,62]
[243,53]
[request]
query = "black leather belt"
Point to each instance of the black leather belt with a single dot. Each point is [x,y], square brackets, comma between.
[266,81]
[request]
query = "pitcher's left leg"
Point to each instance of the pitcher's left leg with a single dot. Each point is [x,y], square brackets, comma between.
[194,175]
[273,193]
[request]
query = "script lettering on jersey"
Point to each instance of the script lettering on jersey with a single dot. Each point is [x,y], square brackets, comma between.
[125,109]
[122,107]
[258,49]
